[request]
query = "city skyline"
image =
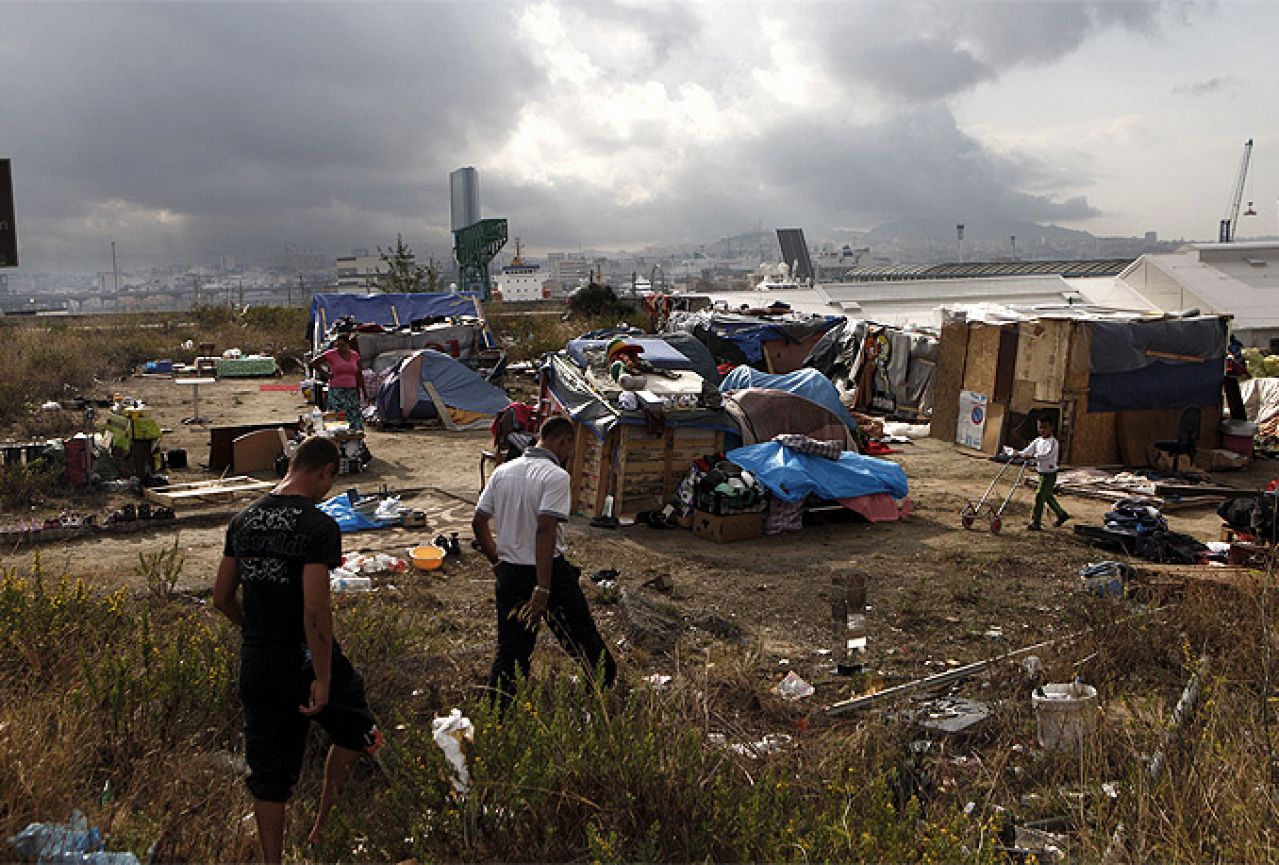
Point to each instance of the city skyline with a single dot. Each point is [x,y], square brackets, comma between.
[188,131]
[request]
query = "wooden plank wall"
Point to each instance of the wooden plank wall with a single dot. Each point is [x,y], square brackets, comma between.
[641,470]
[951,354]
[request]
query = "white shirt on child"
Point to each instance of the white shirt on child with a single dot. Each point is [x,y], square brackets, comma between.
[1044,452]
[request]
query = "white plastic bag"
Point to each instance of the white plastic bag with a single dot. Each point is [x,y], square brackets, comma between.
[450,733]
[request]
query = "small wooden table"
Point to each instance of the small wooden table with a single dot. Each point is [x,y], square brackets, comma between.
[195,399]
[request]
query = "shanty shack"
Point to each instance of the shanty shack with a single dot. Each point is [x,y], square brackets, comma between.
[1115,384]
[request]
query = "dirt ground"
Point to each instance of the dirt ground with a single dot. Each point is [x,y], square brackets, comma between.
[939,595]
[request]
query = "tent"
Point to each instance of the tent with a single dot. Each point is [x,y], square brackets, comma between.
[406,394]
[808,383]
[762,414]
[388,310]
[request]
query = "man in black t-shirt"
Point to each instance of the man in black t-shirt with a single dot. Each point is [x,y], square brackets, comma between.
[279,551]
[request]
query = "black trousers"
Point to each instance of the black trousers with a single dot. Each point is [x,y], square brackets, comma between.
[274,681]
[567,615]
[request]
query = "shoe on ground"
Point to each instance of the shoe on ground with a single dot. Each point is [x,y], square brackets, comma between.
[1034,527]
[1061,520]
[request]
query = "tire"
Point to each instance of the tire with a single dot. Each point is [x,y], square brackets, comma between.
[966,520]
[996,524]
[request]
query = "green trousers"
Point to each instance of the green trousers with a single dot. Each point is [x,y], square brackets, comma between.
[1044,496]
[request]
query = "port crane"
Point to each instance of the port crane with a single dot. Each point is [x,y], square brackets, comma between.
[1226,232]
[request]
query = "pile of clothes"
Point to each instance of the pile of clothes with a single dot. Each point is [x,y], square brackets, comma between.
[1137,516]
[1138,528]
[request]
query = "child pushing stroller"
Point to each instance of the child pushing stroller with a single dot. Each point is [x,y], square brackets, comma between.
[1044,452]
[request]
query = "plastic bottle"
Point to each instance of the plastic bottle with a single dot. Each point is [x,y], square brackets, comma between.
[317,420]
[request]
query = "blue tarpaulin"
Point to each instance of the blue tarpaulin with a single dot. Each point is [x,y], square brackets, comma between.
[1159,385]
[791,475]
[347,518]
[384,309]
[808,383]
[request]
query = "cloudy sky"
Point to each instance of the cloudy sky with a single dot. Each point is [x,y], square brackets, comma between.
[184,131]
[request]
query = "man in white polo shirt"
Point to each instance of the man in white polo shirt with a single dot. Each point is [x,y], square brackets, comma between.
[529,498]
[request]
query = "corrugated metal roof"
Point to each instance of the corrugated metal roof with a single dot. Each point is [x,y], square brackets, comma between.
[978,269]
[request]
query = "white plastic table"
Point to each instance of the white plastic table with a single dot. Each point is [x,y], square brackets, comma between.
[195,398]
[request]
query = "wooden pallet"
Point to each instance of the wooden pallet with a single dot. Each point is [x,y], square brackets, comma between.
[218,490]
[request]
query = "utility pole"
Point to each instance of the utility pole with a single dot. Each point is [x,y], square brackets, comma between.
[241,284]
[195,291]
[115,271]
[959,230]
[1013,239]
[301,291]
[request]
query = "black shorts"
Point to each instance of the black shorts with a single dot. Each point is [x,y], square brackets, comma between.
[274,682]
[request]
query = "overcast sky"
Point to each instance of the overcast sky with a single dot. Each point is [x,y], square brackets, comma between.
[184,131]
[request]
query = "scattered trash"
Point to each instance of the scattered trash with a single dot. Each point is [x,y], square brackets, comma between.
[1043,846]
[1106,578]
[450,734]
[1066,714]
[1180,715]
[754,750]
[1032,666]
[994,632]
[375,563]
[388,510]
[70,842]
[342,580]
[848,622]
[951,715]
[605,575]
[794,688]
[658,680]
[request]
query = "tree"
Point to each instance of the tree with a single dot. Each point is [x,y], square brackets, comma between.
[592,300]
[403,273]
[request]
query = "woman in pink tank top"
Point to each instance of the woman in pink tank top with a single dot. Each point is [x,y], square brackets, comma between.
[346,382]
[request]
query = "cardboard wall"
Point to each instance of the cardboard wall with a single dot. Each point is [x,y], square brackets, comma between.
[1042,354]
[982,359]
[951,355]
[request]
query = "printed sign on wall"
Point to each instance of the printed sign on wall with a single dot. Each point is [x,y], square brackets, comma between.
[972,419]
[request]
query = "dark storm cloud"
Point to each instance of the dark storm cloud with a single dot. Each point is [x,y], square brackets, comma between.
[919,164]
[925,51]
[249,119]
[190,130]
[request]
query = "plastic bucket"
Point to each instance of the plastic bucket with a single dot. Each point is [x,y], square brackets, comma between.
[1065,714]
[427,557]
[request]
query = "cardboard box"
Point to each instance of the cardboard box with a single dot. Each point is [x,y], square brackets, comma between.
[721,530]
